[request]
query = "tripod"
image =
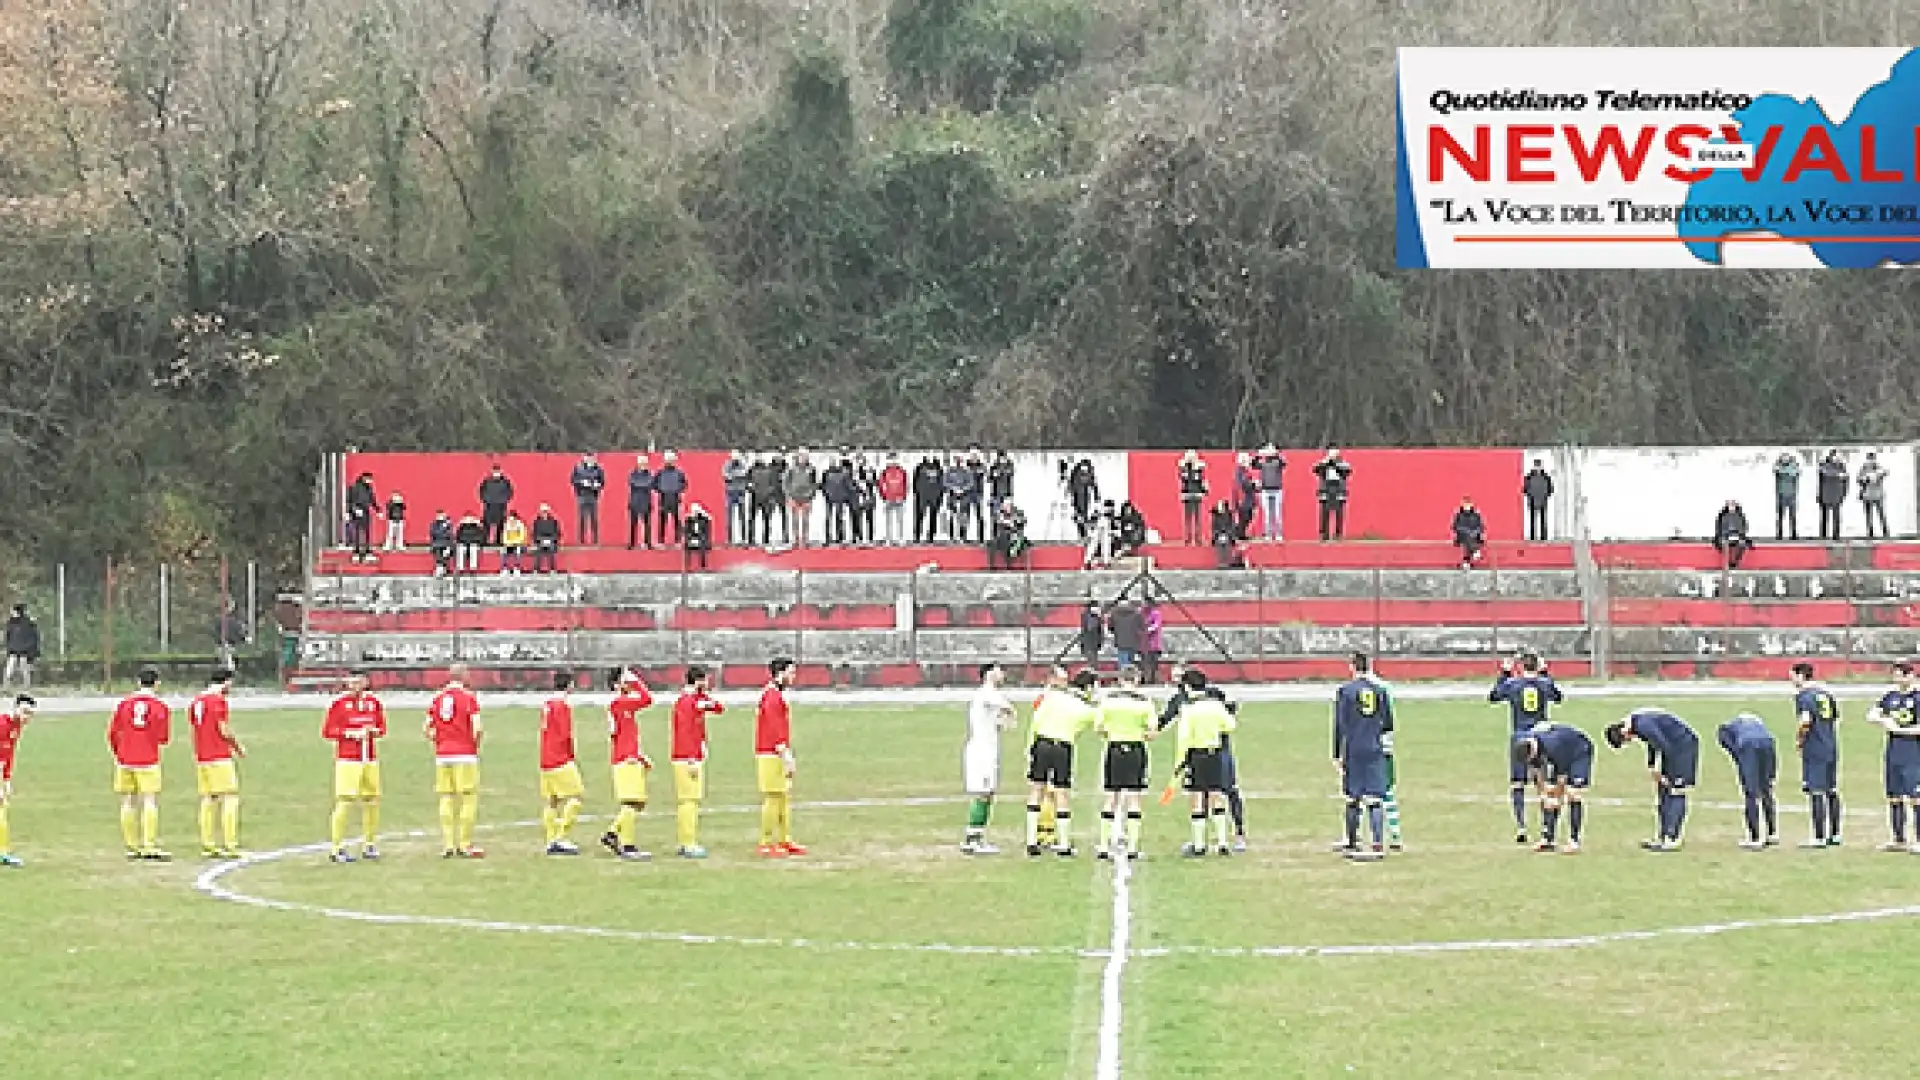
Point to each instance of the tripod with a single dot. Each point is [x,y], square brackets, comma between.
[1148,584]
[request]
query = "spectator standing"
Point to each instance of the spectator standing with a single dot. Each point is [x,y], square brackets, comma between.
[1873,495]
[588,481]
[23,648]
[1538,489]
[1228,533]
[1093,633]
[698,537]
[396,522]
[546,541]
[640,503]
[866,498]
[229,630]
[1153,642]
[929,481]
[769,502]
[1246,493]
[1832,493]
[669,485]
[1333,471]
[1271,468]
[1099,552]
[999,481]
[1786,497]
[1469,533]
[1193,493]
[496,491]
[440,541]
[733,479]
[513,544]
[836,490]
[802,485]
[956,482]
[1083,490]
[361,502]
[1731,536]
[468,536]
[892,487]
[1129,629]
[976,494]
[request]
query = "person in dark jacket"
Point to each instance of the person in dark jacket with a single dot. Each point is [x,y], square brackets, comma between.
[1786,497]
[546,541]
[769,502]
[1193,493]
[23,647]
[866,501]
[976,494]
[1129,531]
[1469,533]
[1731,535]
[1009,544]
[640,503]
[1538,489]
[496,491]
[698,535]
[733,480]
[999,481]
[1333,471]
[1832,494]
[1246,493]
[1226,530]
[1270,473]
[588,481]
[440,542]
[468,537]
[1093,633]
[836,490]
[361,502]
[802,482]
[669,485]
[928,483]
[1872,479]
[957,485]
[1129,632]
[396,522]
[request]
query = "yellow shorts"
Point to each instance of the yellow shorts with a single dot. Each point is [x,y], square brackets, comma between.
[772,771]
[356,779]
[630,783]
[141,781]
[689,781]
[463,779]
[218,778]
[561,783]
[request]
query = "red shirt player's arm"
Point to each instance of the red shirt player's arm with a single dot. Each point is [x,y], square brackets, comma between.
[114,728]
[162,724]
[379,724]
[330,727]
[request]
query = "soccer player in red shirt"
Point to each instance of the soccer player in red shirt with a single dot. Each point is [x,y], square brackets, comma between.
[689,750]
[214,751]
[354,720]
[11,724]
[773,763]
[141,725]
[630,766]
[560,787]
[453,726]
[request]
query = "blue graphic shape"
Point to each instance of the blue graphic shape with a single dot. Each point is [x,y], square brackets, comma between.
[1409,246]
[1889,110]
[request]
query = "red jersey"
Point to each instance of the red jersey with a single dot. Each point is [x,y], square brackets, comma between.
[623,723]
[454,719]
[772,728]
[352,713]
[556,734]
[9,741]
[141,725]
[208,715]
[690,712]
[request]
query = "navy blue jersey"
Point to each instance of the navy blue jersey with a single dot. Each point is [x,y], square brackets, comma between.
[1744,733]
[1530,697]
[1817,709]
[1562,745]
[1902,709]
[1669,740]
[1362,714]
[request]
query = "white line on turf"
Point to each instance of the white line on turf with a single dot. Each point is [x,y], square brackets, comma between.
[1107,1065]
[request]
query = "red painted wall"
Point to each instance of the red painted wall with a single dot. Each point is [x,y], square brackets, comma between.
[1395,494]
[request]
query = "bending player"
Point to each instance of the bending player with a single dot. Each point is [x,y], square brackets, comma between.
[141,726]
[773,762]
[1898,711]
[689,750]
[214,751]
[354,720]
[11,726]
[1126,719]
[1362,729]
[1560,759]
[1200,731]
[1818,712]
[1673,757]
[1746,739]
[988,715]
[1059,718]
[454,728]
[561,790]
[631,766]
[1530,694]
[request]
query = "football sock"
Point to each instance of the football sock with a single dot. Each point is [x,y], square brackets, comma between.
[150,826]
[230,821]
[786,819]
[1770,810]
[209,824]
[769,819]
[1753,817]
[469,815]
[6,831]
[549,822]
[1676,815]
[1132,830]
[1833,813]
[1222,825]
[1549,823]
[1817,810]
[1353,824]
[1576,820]
[130,826]
[1238,809]
[1108,833]
[337,824]
[569,814]
[686,819]
[1897,817]
[1393,808]
[448,814]
[369,821]
[1519,795]
[624,823]
[1199,825]
[1063,826]
[978,812]
[1376,822]
[1033,824]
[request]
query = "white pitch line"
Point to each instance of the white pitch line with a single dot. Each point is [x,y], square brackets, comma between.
[1120,947]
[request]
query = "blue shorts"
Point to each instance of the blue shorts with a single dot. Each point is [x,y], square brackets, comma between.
[1518,772]
[1577,774]
[1758,767]
[1364,778]
[1681,770]
[1903,776]
[1819,771]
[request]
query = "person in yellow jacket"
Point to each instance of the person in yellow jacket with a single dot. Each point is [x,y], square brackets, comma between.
[1126,719]
[1058,719]
[1199,734]
[513,544]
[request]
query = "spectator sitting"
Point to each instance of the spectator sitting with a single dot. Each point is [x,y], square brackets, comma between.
[396,522]
[467,538]
[699,536]
[440,542]
[1469,533]
[1730,535]
[546,541]
[1226,537]
[1009,542]
[1130,530]
[513,544]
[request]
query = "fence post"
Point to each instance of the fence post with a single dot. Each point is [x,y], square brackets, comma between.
[165,630]
[800,617]
[253,599]
[1026,615]
[60,605]
[106,630]
[1376,611]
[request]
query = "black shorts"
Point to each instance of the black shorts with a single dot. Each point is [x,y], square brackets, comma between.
[1126,766]
[1205,771]
[1050,762]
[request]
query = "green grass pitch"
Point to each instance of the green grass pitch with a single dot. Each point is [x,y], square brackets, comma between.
[112,969]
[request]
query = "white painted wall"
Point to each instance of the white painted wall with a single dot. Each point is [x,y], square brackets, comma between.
[1659,493]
